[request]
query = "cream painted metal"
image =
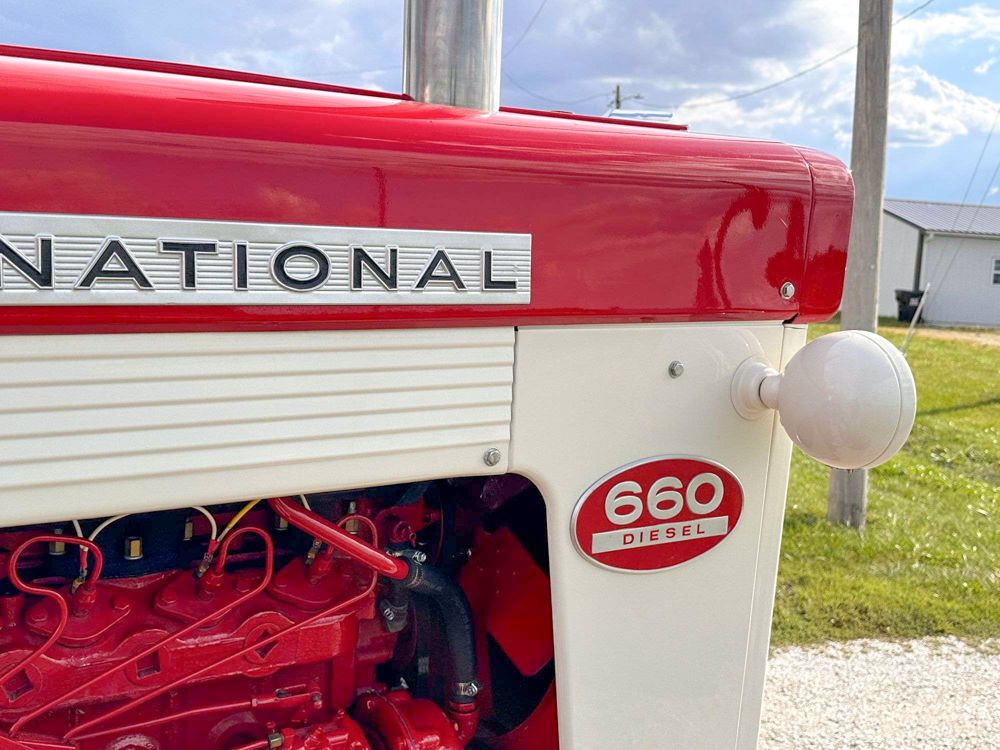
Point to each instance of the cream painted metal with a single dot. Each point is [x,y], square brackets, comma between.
[847,399]
[676,657]
[97,425]
[101,425]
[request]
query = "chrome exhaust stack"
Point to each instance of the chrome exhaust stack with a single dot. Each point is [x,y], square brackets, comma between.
[451,52]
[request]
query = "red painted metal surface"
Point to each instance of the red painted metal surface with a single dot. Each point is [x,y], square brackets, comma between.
[511,600]
[350,545]
[629,224]
[279,637]
[61,617]
[167,666]
[342,734]
[401,718]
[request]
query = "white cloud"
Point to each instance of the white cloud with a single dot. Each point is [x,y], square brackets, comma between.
[674,53]
[914,36]
[925,110]
[984,67]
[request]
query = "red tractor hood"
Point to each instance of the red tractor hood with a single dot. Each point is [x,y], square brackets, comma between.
[628,222]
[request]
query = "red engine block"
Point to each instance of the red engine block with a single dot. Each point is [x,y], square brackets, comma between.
[266,649]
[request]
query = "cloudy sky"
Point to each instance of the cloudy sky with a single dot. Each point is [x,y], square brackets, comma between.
[569,54]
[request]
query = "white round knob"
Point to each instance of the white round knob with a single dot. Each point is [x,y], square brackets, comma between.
[846,399]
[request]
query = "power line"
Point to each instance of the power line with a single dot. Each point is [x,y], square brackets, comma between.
[965,196]
[698,105]
[543,98]
[783,81]
[979,161]
[511,48]
[933,282]
[356,71]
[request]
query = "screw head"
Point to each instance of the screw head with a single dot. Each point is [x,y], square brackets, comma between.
[787,290]
[676,369]
[492,457]
[388,614]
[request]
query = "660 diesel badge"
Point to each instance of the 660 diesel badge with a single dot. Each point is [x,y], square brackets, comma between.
[657,513]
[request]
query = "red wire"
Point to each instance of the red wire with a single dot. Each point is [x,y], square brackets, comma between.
[255,745]
[268,572]
[80,728]
[8,744]
[365,520]
[220,560]
[47,593]
[318,527]
[347,603]
[292,701]
[219,563]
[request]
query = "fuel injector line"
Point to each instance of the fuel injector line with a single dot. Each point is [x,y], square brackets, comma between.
[316,526]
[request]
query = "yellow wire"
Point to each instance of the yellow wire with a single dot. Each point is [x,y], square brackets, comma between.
[236,519]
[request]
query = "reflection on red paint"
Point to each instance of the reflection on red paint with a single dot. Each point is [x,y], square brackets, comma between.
[628,223]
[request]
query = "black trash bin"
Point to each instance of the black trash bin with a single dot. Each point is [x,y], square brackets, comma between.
[906,302]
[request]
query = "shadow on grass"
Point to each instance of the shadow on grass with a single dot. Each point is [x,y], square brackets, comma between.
[959,407]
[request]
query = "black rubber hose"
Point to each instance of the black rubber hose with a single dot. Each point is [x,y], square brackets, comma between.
[456,614]
[395,606]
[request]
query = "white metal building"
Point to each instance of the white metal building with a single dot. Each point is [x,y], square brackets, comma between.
[953,248]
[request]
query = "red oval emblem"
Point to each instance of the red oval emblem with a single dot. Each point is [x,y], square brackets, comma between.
[656,513]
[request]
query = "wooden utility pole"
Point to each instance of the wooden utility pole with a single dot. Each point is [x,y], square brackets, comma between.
[617,99]
[848,499]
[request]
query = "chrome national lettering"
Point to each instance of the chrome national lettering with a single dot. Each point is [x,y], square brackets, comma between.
[61,259]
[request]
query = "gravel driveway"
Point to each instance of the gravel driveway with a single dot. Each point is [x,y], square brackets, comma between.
[929,694]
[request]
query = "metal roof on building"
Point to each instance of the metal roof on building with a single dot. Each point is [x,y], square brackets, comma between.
[947,218]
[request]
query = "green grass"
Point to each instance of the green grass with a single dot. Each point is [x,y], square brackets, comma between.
[928,562]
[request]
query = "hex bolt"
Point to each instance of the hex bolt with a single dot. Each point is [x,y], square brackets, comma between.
[492,457]
[57,549]
[787,290]
[388,614]
[676,369]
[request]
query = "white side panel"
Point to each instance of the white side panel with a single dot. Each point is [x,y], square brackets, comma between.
[767,563]
[95,425]
[653,660]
